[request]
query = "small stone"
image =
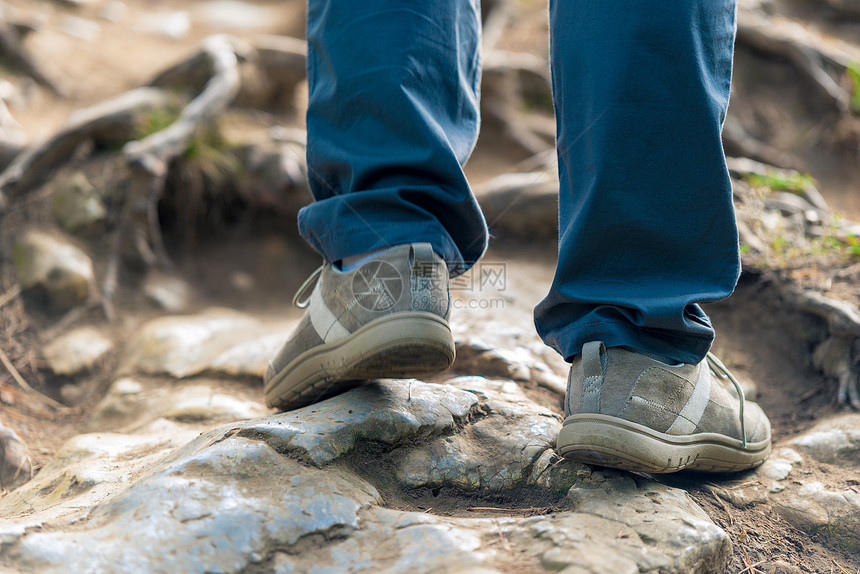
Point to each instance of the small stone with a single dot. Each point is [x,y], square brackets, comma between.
[53,269]
[128,406]
[776,469]
[15,467]
[232,14]
[242,281]
[835,441]
[76,351]
[77,205]
[113,11]
[175,25]
[170,293]
[186,345]
[80,28]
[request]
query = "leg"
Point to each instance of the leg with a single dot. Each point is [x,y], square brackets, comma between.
[392,116]
[647,224]
[647,233]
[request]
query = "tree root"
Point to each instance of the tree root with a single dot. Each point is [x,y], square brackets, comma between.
[148,160]
[839,355]
[810,53]
[152,153]
[112,122]
[508,80]
[739,142]
[279,65]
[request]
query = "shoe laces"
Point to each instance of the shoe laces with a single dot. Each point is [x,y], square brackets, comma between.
[723,373]
[311,281]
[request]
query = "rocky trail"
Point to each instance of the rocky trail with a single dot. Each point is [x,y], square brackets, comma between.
[151,166]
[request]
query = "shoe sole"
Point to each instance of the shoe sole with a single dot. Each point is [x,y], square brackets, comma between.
[608,441]
[405,344]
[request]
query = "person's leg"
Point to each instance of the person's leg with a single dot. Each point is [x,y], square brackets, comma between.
[393,114]
[647,228]
[647,232]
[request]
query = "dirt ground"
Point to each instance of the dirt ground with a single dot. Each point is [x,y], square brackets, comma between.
[758,337]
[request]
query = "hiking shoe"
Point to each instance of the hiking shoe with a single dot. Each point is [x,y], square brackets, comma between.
[387,318]
[627,410]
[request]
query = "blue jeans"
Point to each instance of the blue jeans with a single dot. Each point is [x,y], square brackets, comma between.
[647,229]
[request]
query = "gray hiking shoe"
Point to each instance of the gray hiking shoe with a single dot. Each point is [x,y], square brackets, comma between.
[629,411]
[386,318]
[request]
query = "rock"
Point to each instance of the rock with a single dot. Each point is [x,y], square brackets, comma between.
[80,28]
[386,412]
[15,466]
[394,541]
[835,441]
[818,501]
[676,531]
[778,467]
[113,11]
[53,269]
[77,205]
[495,452]
[522,204]
[175,25]
[833,512]
[231,14]
[76,351]
[85,471]
[519,363]
[296,492]
[220,508]
[170,293]
[130,405]
[216,340]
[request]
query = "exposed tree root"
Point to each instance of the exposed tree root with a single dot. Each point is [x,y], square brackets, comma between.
[109,123]
[813,56]
[509,80]
[149,158]
[839,355]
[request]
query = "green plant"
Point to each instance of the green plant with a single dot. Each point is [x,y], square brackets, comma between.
[155,121]
[795,182]
[853,72]
[853,245]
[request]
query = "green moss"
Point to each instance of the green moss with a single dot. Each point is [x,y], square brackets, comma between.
[795,183]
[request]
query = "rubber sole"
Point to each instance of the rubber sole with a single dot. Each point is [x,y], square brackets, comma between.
[406,344]
[616,443]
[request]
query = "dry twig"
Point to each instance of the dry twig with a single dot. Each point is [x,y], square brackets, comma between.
[10,295]
[4,358]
